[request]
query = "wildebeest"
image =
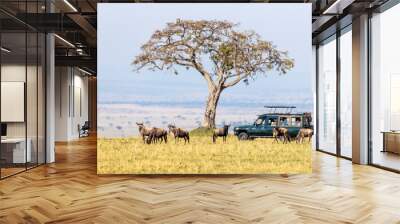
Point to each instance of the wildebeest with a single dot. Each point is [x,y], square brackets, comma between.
[220,132]
[281,132]
[304,133]
[144,132]
[178,133]
[157,134]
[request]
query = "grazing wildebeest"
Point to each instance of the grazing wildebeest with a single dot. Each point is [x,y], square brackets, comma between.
[157,134]
[304,133]
[144,132]
[218,132]
[178,133]
[281,132]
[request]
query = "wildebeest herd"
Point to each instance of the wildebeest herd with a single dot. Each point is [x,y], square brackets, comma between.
[283,135]
[159,135]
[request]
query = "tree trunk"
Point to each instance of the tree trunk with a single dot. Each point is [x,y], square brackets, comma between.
[211,107]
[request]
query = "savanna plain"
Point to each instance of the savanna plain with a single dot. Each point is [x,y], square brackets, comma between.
[260,156]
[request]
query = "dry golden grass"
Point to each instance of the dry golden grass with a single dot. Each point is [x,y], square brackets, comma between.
[201,156]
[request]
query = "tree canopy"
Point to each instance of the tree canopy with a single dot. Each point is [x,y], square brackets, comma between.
[235,55]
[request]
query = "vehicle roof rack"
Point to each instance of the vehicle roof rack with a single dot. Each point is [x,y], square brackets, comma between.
[281,109]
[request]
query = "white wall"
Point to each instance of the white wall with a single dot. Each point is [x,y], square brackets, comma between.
[62,83]
[80,104]
[12,73]
[71,102]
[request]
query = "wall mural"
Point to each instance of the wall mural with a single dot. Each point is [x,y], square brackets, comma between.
[204,88]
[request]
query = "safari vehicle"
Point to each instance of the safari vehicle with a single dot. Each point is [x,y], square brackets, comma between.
[265,123]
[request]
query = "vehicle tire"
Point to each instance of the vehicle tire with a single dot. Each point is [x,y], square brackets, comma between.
[243,136]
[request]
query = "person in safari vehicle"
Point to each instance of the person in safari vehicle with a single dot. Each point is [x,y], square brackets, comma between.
[276,117]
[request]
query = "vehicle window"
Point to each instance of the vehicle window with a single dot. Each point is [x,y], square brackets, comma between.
[259,121]
[272,121]
[284,121]
[296,121]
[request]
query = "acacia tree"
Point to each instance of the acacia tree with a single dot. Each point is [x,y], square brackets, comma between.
[221,54]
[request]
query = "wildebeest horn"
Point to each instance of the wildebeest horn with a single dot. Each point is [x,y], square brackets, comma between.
[139,123]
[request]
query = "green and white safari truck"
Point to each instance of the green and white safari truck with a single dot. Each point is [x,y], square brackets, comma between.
[265,123]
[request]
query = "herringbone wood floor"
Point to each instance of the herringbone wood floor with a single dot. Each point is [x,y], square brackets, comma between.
[69,191]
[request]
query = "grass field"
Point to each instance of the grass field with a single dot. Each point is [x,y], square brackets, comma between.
[201,156]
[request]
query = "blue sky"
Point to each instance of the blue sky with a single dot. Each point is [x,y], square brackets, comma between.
[123,28]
